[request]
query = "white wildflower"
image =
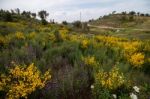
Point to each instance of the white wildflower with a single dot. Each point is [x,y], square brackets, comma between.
[133,96]
[115,96]
[137,89]
[92,86]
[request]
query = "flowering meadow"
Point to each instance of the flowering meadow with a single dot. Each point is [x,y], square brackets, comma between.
[53,62]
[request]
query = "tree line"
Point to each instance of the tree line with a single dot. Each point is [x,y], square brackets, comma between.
[14,15]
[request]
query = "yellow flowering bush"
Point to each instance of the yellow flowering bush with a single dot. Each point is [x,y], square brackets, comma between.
[90,60]
[31,35]
[3,80]
[110,40]
[2,40]
[63,33]
[51,37]
[63,30]
[21,81]
[72,37]
[84,43]
[130,49]
[137,59]
[20,35]
[110,80]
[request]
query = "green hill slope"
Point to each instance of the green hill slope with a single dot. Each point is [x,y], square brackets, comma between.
[120,20]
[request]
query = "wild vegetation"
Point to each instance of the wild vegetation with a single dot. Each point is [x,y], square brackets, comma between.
[44,60]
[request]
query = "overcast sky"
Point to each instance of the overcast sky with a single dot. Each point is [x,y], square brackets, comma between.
[70,9]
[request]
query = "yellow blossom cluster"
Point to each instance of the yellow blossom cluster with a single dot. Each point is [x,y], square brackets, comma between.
[84,43]
[20,35]
[129,48]
[72,37]
[31,35]
[21,81]
[90,60]
[3,81]
[6,39]
[110,40]
[51,37]
[2,40]
[110,80]
[63,30]
[63,33]
[137,59]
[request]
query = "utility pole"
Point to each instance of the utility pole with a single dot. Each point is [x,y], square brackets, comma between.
[80,16]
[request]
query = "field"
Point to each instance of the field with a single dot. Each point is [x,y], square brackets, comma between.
[53,61]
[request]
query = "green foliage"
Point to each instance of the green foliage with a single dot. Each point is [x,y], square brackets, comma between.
[65,22]
[44,22]
[77,24]
[75,58]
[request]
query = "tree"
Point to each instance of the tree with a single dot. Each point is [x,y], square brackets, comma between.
[8,16]
[124,13]
[138,13]
[132,13]
[26,14]
[33,15]
[43,15]
[77,24]
[147,14]
[17,11]
[12,11]
[113,12]
[64,22]
[141,14]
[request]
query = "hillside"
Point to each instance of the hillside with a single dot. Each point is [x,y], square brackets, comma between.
[123,21]
[120,25]
[43,60]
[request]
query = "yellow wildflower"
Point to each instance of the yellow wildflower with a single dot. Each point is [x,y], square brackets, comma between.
[110,80]
[20,35]
[22,81]
[31,35]
[137,59]
[90,60]
[84,43]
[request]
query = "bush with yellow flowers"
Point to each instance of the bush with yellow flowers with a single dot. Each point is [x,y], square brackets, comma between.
[137,59]
[31,35]
[63,33]
[84,44]
[2,40]
[51,37]
[109,40]
[110,80]
[72,37]
[20,35]
[89,60]
[131,47]
[22,81]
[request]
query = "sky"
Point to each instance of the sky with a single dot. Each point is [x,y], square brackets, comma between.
[70,10]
